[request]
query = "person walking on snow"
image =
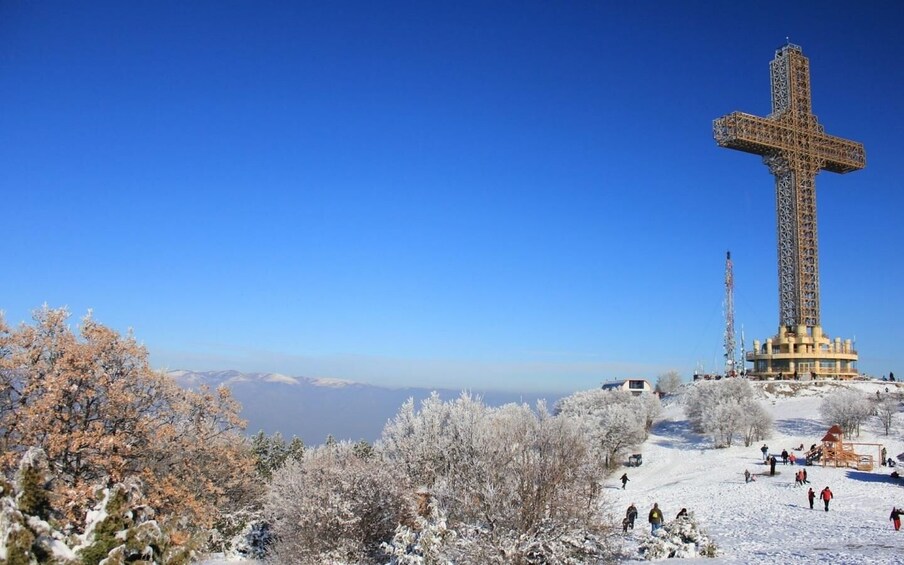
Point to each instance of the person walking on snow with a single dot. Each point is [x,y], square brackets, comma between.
[746,476]
[772,466]
[784,457]
[624,480]
[811,495]
[798,479]
[655,517]
[631,515]
[803,474]
[826,496]
[765,450]
[896,517]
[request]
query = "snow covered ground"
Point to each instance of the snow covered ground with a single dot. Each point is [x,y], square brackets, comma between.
[769,520]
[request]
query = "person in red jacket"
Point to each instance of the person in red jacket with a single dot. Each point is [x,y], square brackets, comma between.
[896,517]
[826,496]
[811,495]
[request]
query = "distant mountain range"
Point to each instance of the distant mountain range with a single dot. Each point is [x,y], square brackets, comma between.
[312,409]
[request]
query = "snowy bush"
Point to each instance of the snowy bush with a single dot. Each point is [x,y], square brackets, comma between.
[432,542]
[240,534]
[680,538]
[428,541]
[333,505]
[848,408]
[726,410]
[120,529]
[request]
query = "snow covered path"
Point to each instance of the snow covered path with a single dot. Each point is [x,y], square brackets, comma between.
[769,520]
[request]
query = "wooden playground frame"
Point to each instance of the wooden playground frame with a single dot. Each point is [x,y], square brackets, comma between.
[834,450]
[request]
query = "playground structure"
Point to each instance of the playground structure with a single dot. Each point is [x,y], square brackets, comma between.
[835,451]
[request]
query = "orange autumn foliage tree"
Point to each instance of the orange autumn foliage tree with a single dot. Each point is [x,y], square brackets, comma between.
[91,401]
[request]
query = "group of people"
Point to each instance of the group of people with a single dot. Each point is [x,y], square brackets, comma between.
[655,517]
[800,478]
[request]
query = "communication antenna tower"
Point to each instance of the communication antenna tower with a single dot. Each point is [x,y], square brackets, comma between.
[730,368]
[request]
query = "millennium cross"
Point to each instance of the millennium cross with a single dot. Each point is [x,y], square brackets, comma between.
[795,148]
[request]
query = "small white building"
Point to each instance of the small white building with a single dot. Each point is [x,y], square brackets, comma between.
[634,386]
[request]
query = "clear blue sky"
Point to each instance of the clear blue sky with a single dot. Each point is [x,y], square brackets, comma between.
[507,195]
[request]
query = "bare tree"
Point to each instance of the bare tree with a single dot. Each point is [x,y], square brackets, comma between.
[886,409]
[848,408]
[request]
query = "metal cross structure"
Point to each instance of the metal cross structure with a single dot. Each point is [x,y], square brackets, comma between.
[795,147]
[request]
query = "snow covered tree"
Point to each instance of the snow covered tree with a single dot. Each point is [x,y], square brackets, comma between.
[886,409]
[272,452]
[650,407]
[91,402]
[725,410]
[848,408]
[668,383]
[612,420]
[756,421]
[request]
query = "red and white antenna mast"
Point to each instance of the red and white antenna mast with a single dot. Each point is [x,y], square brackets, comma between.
[730,369]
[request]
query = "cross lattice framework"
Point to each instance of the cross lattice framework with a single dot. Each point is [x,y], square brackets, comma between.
[795,147]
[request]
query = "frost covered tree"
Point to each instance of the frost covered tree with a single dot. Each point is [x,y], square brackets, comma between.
[668,382]
[726,410]
[886,410]
[92,403]
[848,408]
[613,420]
[516,484]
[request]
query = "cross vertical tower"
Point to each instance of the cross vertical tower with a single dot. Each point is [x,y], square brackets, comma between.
[730,368]
[795,147]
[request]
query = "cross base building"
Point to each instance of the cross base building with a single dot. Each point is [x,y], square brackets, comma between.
[804,354]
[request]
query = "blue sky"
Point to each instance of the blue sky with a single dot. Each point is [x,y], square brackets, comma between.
[510,195]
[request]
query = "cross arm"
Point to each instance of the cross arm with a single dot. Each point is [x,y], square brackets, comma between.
[804,138]
[748,133]
[839,155]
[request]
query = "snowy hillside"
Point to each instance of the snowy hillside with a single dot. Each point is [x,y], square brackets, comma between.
[769,520]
